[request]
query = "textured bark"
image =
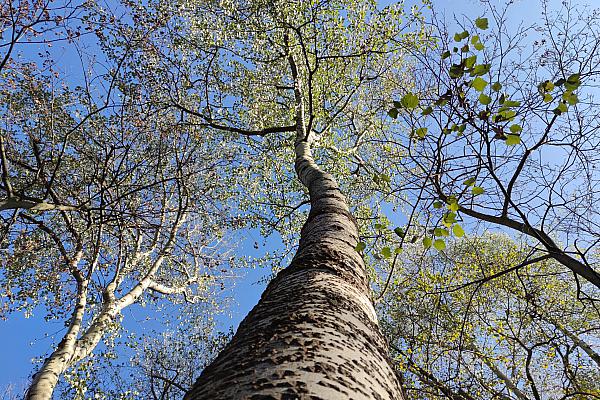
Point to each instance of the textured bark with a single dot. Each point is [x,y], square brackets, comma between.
[314,333]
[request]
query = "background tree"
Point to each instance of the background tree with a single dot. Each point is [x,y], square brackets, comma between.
[463,328]
[105,203]
[238,84]
[161,362]
[502,129]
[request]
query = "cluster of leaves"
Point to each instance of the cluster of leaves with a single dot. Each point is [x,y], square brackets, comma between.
[238,84]
[473,323]
[499,134]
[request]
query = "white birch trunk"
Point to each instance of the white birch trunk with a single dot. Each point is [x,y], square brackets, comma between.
[45,380]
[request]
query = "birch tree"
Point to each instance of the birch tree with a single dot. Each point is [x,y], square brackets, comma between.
[100,206]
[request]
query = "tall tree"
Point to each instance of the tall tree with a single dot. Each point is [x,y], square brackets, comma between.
[276,76]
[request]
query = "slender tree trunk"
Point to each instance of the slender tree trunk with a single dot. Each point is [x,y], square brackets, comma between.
[575,338]
[314,333]
[75,347]
[45,380]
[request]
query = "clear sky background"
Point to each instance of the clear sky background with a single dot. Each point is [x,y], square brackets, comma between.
[22,339]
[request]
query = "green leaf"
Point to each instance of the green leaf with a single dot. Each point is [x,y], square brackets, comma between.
[505,115]
[476,42]
[460,36]
[441,232]
[360,246]
[513,140]
[573,82]
[398,250]
[449,219]
[470,61]
[446,54]
[437,204]
[484,99]
[484,114]
[427,111]
[561,108]
[482,23]
[393,113]
[481,69]
[546,86]
[496,86]
[477,190]
[380,227]
[469,182]
[439,244]
[421,132]
[458,230]
[511,103]
[548,98]
[427,242]
[456,71]
[453,206]
[479,84]
[410,101]
[399,231]
[515,128]
[386,252]
[570,97]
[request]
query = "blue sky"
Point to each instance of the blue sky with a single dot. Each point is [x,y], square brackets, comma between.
[22,339]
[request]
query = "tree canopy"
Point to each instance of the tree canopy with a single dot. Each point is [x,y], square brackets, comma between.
[467,151]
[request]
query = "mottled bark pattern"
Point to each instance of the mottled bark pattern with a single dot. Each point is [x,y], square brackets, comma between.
[314,333]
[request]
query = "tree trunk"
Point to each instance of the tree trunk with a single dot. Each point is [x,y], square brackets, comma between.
[45,380]
[314,333]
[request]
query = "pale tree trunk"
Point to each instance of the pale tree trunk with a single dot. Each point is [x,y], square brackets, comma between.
[314,333]
[46,378]
[75,346]
[575,338]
